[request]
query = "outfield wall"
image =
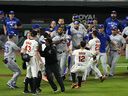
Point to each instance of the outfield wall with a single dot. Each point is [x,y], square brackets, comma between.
[47,10]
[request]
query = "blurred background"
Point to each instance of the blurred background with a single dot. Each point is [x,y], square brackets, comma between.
[44,10]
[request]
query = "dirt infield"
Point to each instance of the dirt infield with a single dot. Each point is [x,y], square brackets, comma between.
[9,75]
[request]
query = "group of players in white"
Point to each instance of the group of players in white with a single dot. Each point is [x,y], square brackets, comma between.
[84,55]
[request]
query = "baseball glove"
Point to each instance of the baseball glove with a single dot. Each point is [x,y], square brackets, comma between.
[25,57]
[24,66]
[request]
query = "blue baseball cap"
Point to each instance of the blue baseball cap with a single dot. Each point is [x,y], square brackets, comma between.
[11,12]
[36,26]
[76,17]
[11,34]
[90,21]
[126,17]
[76,22]
[101,26]
[114,28]
[1,12]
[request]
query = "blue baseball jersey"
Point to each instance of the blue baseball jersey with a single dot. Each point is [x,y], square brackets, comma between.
[10,25]
[124,23]
[88,36]
[104,38]
[109,23]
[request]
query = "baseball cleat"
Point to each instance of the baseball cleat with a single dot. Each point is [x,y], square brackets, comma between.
[56,91]
[102,78]
[34,93]
[26,91]
[10,86]
[38,90]
[77,87]
[73,85]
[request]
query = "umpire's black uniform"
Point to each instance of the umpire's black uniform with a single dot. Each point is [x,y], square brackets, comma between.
[52,66]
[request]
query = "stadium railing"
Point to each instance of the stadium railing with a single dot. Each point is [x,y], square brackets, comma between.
[29,26]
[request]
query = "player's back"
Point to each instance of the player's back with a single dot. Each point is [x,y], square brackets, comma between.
[82,56]
[30,46]
[94,44]
[9,49]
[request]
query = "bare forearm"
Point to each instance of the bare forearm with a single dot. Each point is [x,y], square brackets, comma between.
[5,31]
[38,57]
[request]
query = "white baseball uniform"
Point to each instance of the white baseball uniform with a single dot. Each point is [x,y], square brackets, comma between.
[125,31]
[31,47]
[83,59]
[114,51]
[94,45]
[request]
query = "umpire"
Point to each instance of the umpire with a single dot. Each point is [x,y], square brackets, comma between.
[52,66]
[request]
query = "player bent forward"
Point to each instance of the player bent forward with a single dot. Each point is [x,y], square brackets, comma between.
[10,61]
[83,59]
[30,47]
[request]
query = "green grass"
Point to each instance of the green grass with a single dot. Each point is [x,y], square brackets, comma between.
[116,86]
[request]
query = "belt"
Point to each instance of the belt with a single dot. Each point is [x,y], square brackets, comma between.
[80,64]
[60,52]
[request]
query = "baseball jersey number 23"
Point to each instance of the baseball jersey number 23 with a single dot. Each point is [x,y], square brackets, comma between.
[97,46]
[28,48]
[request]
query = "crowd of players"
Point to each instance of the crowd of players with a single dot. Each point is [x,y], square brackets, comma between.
[82,46]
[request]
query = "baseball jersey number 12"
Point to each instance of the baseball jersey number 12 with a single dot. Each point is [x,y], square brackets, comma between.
[81,58]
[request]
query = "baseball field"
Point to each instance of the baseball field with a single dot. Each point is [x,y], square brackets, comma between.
[112,86]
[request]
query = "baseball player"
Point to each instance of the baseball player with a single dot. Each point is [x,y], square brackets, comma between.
[77,35]
[60,40]
[110,22]
[30,47]
[125,35]
[42,47]
[90,29]
[76,18]
[83,59]
[3,38]
[61,23]
[104,39]
[10,61]
[94,45]
[115,48]
[51,28]
[12,25]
